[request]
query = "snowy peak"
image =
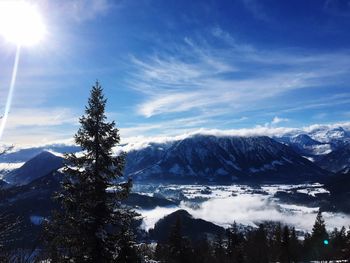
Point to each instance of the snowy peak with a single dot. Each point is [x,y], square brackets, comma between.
[330,135]
[317,141]
[304,140]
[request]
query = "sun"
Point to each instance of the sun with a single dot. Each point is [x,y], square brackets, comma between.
[21,23]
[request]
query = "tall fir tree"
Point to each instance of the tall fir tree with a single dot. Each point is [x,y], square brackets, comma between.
[235,241]
[294,246]
[92,225]
[285,245]
[176,241]
[319,236]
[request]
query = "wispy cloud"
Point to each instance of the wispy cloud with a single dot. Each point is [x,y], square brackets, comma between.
[202,77]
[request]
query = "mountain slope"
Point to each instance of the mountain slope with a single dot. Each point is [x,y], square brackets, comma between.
[304,145]
[337,136]
[40,165]
[211,158]
[336,160]
[24,155]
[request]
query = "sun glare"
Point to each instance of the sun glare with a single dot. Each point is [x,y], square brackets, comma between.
[21,23]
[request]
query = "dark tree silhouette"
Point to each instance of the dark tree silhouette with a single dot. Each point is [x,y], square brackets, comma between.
[92,225]
[319,236]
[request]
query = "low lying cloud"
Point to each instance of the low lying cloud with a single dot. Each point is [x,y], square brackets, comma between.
[223,209]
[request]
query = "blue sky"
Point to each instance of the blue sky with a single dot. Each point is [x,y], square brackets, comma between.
[170,67]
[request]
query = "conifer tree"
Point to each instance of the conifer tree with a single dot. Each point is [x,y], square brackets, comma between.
[176,241]
[234,243]
[318,236]
[92,225]
[219,249]
[285,245]
[277,242]
[294,246]
[319,229]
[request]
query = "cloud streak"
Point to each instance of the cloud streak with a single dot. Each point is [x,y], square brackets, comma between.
[236,76]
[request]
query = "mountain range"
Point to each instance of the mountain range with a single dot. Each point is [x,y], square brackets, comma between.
[221,159]
[291,157]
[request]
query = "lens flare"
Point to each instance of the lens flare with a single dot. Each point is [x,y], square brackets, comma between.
[10,94]
[21,23]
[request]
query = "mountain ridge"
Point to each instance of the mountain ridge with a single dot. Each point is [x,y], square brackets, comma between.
[225,158]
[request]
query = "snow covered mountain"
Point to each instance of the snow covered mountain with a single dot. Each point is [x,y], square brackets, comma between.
[25,154]
[40,165]
[212,158]
[335,136]
[16,157]
[316,142]
[305,145]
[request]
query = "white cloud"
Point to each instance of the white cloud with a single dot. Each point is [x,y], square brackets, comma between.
[138,142]
[277,120]
[166,131]
[39,125]
[23,117]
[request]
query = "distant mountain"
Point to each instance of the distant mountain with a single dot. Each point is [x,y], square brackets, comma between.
[226,159]
[305,145]
[316,141]
[193,228]
[304,140]
[336,136]
[40,165]
[337,160]
[24,155]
